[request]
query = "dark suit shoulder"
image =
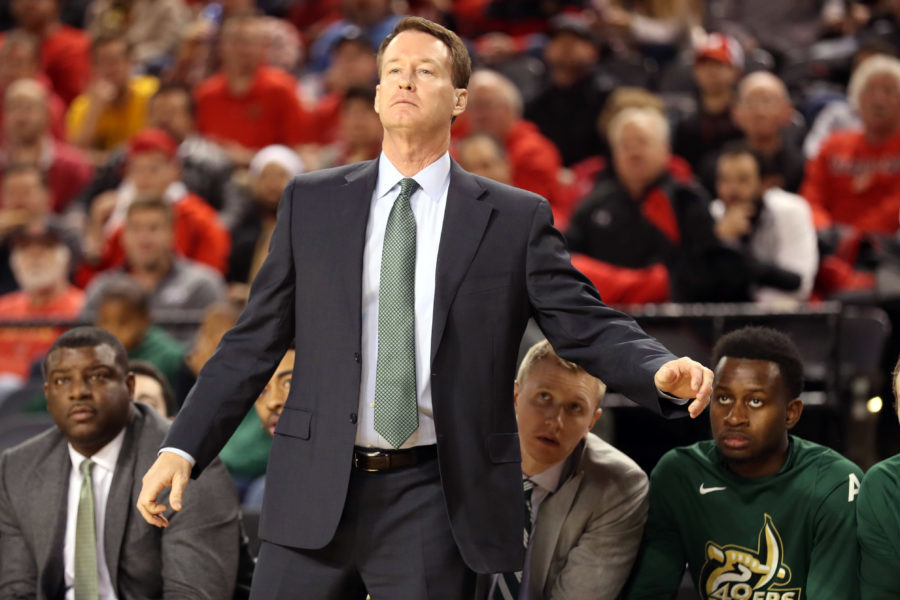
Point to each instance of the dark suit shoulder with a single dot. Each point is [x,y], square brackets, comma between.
[502,195]
[334,175]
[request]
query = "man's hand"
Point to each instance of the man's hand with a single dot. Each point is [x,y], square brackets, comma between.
[168,470]
[686,378]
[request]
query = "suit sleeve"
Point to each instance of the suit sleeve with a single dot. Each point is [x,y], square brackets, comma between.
[877,531]
[660,564]
[583,330]
[200,547]
[833,557]
[18,571]
[598,565]
[231,380]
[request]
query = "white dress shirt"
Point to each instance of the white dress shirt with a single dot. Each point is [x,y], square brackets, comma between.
[101,478]
[428,204]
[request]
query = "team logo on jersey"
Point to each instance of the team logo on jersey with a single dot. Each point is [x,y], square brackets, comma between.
[733,572]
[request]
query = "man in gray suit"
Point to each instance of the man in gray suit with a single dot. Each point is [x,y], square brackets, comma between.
[68,523]
[586,502]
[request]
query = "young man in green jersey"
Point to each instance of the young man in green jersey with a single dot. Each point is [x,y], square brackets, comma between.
[879,525]
[755,513]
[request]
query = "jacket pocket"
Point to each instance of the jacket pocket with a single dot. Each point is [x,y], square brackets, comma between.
[504,447]
[294,422]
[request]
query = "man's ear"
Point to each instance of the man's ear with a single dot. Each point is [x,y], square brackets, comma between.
[129,382]
[377,93]
[794,410]
[597,414]
[516,393]
[462,100]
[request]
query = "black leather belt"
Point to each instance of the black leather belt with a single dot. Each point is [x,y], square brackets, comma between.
[374,460]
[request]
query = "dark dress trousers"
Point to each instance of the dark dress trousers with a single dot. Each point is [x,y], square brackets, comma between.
[500,261]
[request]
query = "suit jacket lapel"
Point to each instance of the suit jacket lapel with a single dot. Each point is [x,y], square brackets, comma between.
[118,503]
[551,516]
[50,498]
[465,220]
[353,202]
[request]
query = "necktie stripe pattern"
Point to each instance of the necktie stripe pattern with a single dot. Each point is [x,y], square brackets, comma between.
[86,577]
[507,586]
[396,405]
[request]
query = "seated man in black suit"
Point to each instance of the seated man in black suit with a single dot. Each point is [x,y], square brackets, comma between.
[68,526]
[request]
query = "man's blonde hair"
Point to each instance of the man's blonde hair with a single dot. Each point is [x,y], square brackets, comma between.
[544,351]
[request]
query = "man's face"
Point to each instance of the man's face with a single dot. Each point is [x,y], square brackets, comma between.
[40,267]
[750,414]
[241,47]
[215,323]
[88,395]
[879,103]
[17,61]
[352,65]
[34,14]
[359,125]
[112,64]
[738,180]
[713,76]
[149,391]
[151,172]
[170,111]
[365,13]
[416,92]
[268,185]
[271,400]
[123,321]
[490,112]
[570,55]
[147,238]
[480,156]
[762,111]
[555,409]
[24,191]
[25,115]
[639,153]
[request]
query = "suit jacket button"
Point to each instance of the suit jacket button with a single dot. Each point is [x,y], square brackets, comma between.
[356,356]
[353,418]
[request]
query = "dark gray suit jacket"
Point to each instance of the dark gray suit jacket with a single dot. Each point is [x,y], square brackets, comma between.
[195,557]
[500,261]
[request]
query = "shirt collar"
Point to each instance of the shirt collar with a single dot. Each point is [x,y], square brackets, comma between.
[107,456]
[549,478]
[431,179]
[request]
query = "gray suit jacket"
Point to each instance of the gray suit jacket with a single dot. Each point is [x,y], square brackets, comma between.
[587,534]
[195,557]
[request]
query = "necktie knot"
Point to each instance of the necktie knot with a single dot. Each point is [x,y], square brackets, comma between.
[408,185]
[86,467]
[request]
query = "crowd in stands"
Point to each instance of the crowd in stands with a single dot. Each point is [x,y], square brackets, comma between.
[717,151]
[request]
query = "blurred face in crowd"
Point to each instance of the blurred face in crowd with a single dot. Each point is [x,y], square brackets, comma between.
[241,47]
[490,110]
[269,184]
[271,401]
[34,14]
[482,156]
[879,104]
[750,414]
[738,180]
[123,320]
[570,57]
[152,172]
[352,65]
[555,410]
[149,391]
[170,111]
[416,92]
[40,266]
[18,60]
[714,77]
[148,239]
[640,153]
[359,126]
[112,63]
[88,395]
[216,321]
[763,107]
[24,191]
[25,113]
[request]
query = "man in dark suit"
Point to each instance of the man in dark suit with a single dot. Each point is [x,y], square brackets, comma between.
[406,284]
[68,526]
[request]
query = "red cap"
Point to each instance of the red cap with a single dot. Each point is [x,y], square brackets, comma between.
[722,48]
[152,140]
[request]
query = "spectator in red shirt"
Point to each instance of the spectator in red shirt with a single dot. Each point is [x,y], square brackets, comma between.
[65,56]
[27,139]
[153,170]
[20,59]
[495,108]
[248,105]
[40,262]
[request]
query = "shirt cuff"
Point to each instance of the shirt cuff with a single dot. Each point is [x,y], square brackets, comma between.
[673,399]
[180,453]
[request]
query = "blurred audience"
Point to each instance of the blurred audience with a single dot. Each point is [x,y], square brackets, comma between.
[483,155]
[152,388]
[20,58]
[373,17]
[359,128]
[27,139]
